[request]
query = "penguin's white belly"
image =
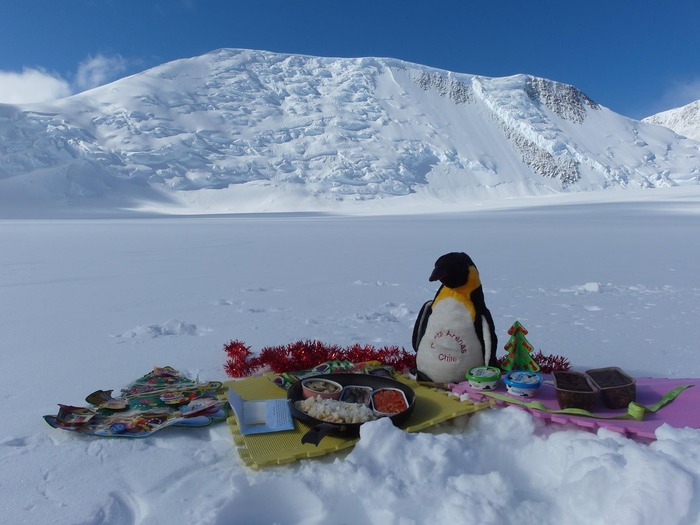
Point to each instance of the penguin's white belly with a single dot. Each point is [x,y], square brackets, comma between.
[450,346]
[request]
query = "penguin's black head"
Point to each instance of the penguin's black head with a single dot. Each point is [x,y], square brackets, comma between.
[452,269]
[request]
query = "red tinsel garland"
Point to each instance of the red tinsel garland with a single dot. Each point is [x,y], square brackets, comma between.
[240,362]
[302,355]
[551,362]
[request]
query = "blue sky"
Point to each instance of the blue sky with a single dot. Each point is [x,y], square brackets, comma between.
[637,57]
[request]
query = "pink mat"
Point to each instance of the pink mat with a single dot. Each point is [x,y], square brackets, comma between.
[684,411]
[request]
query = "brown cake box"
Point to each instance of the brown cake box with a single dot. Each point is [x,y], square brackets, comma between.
[574,390]
[616,387]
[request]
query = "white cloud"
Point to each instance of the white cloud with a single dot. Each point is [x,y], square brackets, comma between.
[97,70]
[31,85]
[37,85]
[678,94]
[686,92]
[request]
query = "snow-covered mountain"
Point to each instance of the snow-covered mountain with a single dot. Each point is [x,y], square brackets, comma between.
[684,120]
[246,131]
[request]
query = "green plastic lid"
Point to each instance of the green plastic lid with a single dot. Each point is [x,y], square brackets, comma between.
[483,374]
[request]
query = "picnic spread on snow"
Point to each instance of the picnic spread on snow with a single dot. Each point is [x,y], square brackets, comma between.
[308,398]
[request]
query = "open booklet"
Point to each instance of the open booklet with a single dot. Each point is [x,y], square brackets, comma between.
[260,416]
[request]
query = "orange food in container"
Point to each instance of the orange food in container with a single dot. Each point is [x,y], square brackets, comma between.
[386,401]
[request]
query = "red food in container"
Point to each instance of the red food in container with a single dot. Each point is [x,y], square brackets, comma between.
[389,401]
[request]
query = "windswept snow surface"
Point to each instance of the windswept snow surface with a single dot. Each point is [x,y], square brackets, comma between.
[94,303]
[242,131]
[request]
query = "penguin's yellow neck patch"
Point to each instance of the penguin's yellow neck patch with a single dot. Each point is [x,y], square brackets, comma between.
[462,293]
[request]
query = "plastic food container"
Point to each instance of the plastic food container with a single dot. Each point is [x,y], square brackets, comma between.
[617,389]
[522,383]
[574,390]
[319,387]
[484,377]
[362,395]
[389,401]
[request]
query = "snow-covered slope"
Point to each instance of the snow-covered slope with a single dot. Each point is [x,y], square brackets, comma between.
[244,131]
[684,120]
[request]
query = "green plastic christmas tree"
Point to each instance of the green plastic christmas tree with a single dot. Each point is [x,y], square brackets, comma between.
[518,348]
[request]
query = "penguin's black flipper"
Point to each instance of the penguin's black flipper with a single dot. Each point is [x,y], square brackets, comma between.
[489,341]
[493,340]
[421,323]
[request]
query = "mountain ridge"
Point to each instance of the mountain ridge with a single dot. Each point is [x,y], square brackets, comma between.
[243,131]
[684,120]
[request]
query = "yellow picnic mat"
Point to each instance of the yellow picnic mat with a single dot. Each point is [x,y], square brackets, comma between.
[274,448]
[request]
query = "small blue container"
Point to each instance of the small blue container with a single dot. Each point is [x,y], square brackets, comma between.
[522,383]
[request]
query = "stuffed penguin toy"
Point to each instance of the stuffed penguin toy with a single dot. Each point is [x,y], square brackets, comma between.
[454,332]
